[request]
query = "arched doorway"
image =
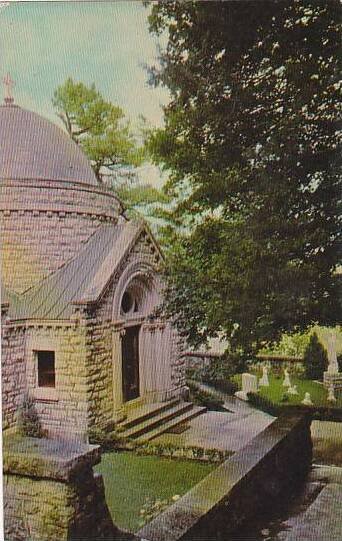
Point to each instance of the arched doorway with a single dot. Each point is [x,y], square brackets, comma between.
[137,296]
[130,363]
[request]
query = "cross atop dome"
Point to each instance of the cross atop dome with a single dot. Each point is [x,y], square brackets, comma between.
[8,84]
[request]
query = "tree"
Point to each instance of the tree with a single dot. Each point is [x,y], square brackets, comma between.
[98,126]
[251,144]
[315,359]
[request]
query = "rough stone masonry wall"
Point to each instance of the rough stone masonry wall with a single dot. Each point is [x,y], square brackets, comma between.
[63,408]
[54,498]
[178,362]
[48,510]
[99,367]
[13,372]
[44,225]
[100,347]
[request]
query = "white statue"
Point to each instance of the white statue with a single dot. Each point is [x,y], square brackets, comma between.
[263,381]
[293,390]
[286,382]
[307,400]
[332,355]
[331,394]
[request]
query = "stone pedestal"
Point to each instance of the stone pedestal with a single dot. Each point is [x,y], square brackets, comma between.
[334,380]
[332,377]
[51,492]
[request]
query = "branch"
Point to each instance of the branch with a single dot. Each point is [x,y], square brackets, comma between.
[80,132]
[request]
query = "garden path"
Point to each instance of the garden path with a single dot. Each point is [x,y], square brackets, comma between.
[322,518]
[225,431]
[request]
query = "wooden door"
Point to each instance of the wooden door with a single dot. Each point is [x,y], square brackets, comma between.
[130,363]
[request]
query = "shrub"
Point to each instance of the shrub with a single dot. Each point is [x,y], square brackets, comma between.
[315,359]
[204,398]
[28,422]
[193,373]
[217,374]
[109,438]
[227,386]
[175,452]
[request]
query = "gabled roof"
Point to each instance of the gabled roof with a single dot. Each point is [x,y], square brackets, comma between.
[81,280]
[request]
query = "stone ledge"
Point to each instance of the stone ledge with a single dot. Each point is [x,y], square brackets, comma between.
[274,462]
[43,458]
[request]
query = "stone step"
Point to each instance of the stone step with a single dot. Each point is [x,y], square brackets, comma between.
[160,419]
[146,412]
[195,411]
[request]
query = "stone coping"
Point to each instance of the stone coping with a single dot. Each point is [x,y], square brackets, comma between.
[44,458]
[59,184]
[324,413]
[225,484]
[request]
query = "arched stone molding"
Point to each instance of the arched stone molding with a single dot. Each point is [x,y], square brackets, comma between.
[142,281]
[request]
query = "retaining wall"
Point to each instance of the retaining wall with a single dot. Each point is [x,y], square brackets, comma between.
[272,466]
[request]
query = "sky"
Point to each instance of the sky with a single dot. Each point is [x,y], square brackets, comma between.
[108,43]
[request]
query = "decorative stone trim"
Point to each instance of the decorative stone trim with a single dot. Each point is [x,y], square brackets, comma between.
[60,213]
[42,394]
[25,325]
[59,185]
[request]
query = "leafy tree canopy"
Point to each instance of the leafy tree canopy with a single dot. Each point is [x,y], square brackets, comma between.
[98,126]
[251,144]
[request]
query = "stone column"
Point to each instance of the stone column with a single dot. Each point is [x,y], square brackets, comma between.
[117,334]
[147,376]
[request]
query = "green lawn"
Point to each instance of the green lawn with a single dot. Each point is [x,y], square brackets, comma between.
[327,442]
[317,392]
[130,480]
[276,391]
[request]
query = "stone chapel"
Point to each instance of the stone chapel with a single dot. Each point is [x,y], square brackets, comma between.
[80,284]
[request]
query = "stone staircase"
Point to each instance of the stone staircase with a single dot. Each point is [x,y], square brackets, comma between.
[151,420]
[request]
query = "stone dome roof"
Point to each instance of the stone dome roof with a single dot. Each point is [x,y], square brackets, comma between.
[32,147]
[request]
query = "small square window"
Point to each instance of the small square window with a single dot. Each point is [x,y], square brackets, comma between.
[46,369]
